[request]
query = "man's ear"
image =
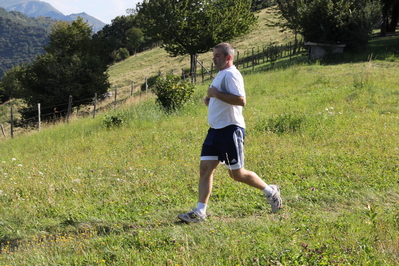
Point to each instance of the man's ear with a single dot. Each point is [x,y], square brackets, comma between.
[229,57]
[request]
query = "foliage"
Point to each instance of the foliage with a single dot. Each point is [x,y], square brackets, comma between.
[261,4]
[71,67]
[10,85]
[150,83]
[120,55]
[172,92]
[290,16]
[338,21]
[122,33]
[112,121]
[192,27]
[22,38]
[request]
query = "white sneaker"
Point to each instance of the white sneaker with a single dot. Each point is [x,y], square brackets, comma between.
[274,199]
[192,217]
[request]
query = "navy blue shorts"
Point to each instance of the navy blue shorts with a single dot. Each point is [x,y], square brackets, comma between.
[225,145]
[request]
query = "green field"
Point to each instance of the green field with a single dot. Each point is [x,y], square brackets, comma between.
[325,132]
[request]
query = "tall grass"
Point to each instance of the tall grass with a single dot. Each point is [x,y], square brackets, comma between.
[87,194]
[95,192]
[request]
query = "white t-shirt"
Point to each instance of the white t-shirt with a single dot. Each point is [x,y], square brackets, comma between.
[222,114]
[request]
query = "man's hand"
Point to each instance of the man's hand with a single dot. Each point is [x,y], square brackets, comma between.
[226,97]
[213,92]
[206,100]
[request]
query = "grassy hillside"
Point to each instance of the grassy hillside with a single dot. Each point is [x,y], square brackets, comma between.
[327,133]
[150,63]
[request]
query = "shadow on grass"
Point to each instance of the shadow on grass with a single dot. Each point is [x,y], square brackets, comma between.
[71,229]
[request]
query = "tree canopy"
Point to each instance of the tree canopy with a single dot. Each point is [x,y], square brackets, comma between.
[123,34]
[72,66]
[332,21]
[22,38]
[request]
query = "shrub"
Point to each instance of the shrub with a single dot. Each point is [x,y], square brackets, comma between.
[111,121]
[120,54]
[172,92]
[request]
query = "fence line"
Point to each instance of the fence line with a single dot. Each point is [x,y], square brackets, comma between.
[8,121]
[244,59]
[253,57]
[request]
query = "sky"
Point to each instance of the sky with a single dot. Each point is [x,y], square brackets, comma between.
[104,10]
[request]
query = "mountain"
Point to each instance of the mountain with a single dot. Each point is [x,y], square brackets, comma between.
[97,24]
[37,8]
[21,38]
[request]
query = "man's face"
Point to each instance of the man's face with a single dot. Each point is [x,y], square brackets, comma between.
[219,59]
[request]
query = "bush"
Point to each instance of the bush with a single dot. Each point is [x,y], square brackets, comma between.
[172,92]
[120,54]
[111,121]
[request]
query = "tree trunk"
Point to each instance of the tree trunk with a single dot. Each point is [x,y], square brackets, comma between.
[193,67]
[394,18]
[384,21]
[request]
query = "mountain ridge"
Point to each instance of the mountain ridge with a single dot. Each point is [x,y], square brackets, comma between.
[37,8]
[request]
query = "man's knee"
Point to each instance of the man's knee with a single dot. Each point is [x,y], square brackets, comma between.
[237,175]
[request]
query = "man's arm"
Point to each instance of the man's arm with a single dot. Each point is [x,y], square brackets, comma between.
[226,97]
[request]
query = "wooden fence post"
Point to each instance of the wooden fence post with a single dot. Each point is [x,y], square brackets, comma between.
[253,59]
[12,123]
[132,91]
[202,71]
[38,116]
[146,86]
[69,108]
[116,92]
[238,59]
[2,130]
[95,105]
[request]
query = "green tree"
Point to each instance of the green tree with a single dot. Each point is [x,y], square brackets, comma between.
[135,38]
[193,27]
[10,84]
[123,33]
[289,11]
[332,21]
[71,67]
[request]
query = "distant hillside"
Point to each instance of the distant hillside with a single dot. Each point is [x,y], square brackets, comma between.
[36,8]
[22,38]
[95,23]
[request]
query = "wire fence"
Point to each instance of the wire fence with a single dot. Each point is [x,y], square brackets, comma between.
[265,55]
[12,123]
